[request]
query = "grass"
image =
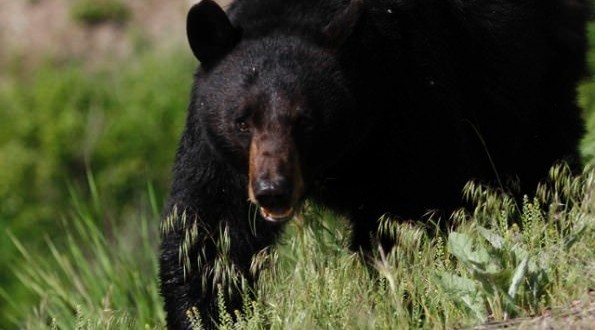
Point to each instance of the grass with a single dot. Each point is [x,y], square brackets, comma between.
[61,120]
[587,101]
[502,261]
[488,269]
[102,277]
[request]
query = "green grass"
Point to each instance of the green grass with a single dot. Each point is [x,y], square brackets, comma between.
[488,269]
[587,102]
[502,261]
[62,120]
[102,277]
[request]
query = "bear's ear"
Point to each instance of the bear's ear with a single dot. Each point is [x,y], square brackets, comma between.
[343,24]
[210,32]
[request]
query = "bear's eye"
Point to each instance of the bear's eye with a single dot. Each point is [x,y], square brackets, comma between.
[242,126]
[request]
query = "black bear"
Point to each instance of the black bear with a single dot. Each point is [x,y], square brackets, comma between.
[366,107]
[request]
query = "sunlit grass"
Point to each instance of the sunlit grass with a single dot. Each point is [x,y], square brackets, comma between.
[502,261]
[101,277]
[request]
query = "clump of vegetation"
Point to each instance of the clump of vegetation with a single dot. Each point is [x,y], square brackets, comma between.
[63,120]
[503,261]
[519,259]
[101,277]
[93,12]
[587,102]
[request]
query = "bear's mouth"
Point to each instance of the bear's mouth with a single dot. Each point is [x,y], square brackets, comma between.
[277,214]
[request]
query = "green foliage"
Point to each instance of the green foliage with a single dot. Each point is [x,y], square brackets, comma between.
[102,278]
[93,12]
[62,120]
[587,102]
[520,257]
[503,261]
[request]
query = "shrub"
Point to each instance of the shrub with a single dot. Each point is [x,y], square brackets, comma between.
[93,12]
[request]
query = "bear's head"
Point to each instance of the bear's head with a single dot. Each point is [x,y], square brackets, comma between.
[278,107]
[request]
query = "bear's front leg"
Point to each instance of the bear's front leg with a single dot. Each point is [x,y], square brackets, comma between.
[210,234]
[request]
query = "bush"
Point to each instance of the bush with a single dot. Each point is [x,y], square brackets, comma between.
[587,101]
[93,12]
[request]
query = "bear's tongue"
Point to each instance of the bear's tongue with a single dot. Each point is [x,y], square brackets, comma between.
[276,215]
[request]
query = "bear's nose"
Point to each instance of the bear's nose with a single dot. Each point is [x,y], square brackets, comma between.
[273,194]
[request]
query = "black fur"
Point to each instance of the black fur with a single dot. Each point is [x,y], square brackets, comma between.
[392,107]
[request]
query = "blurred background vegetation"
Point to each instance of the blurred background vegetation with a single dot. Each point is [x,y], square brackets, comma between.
[92,100]
[86,87]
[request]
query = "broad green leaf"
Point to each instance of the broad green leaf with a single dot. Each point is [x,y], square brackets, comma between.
[495,240]
[465,291]
[462,246]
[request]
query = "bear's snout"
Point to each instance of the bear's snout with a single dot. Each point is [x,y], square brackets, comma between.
[275,181]
[275,194]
